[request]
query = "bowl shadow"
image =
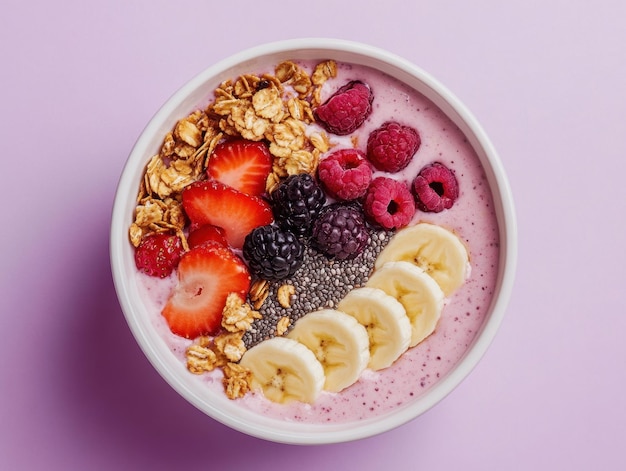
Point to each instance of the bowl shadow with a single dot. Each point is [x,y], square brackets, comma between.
[111,389]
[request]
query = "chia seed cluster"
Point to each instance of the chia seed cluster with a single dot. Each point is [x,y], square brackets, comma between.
[319,283]
[339,252]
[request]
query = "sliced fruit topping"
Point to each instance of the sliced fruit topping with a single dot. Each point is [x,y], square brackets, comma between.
[420,295]
[237,213]
[435,249]
[339,232]
[389,203]
[385,320]
[241,164]
[392,146]
[339,343]
[346,109]
[206,276]
[285,370]
[273,253]
[158,254]
[345,174]
[205,233]
[435,188]
[296,202]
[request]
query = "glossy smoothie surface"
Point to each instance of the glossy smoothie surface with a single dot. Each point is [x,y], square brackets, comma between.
[472,218]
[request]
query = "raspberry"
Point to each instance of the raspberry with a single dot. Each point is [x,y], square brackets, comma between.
[345,174]
[389,203]
[296,202]
[346,109]
[392,146]
[158,254]
[339,232]
[435,188]
[272,253]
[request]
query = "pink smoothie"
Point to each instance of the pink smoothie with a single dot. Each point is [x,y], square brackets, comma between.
[472,217]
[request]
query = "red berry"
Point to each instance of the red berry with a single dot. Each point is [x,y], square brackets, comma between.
[241,164]
[345,174]
[346,109]
[237,213]
[206,276]
[389,203]
[205,233]
[158,254]
[392,146]
[435,188]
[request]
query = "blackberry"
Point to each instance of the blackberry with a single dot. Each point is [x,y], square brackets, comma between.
[340,232]
[272,253]
[296,203]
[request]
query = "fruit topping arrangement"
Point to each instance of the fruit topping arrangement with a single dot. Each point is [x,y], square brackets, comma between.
[300,260]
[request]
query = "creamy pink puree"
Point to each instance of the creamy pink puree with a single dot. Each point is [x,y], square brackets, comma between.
[472,217]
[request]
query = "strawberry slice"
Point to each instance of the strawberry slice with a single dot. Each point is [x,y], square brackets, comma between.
[237,213]
[207,232]
[206,276]
[241,164]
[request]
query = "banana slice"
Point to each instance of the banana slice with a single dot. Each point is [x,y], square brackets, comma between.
[438,251]
[417,291]
[338,341]
[385,320]
[285,370]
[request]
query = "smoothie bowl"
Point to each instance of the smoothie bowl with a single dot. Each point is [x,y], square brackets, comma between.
[313,241]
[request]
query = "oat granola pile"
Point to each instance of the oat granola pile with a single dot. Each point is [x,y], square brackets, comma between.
[276,108]
[253,107]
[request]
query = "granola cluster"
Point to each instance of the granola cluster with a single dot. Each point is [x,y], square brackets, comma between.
[275,108]
[226,349]
[180,161]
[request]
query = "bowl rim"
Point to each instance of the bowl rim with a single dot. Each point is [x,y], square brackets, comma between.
[404,70]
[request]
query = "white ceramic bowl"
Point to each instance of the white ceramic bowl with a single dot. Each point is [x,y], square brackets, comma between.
[186,100]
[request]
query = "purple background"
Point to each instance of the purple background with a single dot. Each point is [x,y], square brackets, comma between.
[81,79]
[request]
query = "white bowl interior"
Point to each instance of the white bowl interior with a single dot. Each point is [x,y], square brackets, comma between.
[196,93]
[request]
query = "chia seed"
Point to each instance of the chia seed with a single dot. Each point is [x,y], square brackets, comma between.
[320,283]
